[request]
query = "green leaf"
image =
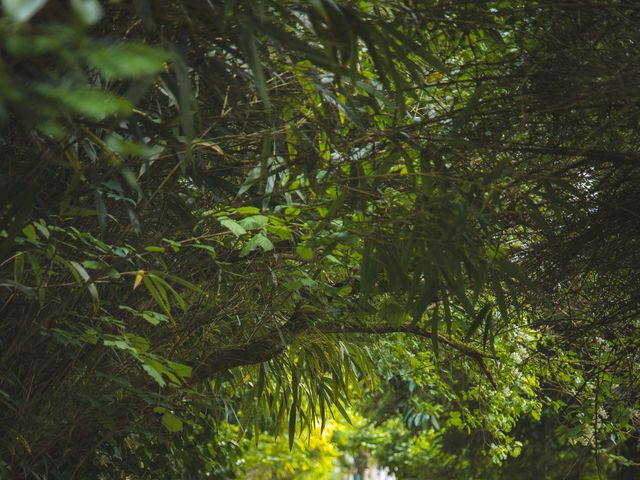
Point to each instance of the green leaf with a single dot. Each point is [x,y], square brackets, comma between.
[119,344]
[127,60]
[247,210]
[138,343]
[91,264]
[30,232]
[261,380]
[182,370]
[500,297]
[393,313]
[154,373]
[477,321]
[18,267]
[171,422]
[305,252]
[250,50]
[256,241]
[368,269]
[81,271]
[292,424]
[488,327]
[427,297]
[89,11]
[36,268]
[22,10]
[25,290]
[206,247]
[435,323]
[91,102]
[283,232]
[163,285]
[233,226]
[90,336]
[93,290]
[254,222]
[435,423]
[342,411]
[154,318]
[42,228]
[158,292]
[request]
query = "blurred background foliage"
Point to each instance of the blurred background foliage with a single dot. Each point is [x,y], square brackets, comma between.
[224,225]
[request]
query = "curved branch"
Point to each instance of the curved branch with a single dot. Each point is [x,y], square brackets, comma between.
[274,342]
[466,350]
[260,350]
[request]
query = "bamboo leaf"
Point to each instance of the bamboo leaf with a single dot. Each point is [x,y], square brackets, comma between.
[250,50]
[477,321]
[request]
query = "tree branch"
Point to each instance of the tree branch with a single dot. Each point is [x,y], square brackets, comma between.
[273,343]
[466,350]
[260,350]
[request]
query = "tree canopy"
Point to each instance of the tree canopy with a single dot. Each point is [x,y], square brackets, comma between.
[221,220]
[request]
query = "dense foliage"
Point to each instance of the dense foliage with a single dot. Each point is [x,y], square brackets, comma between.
[221,219]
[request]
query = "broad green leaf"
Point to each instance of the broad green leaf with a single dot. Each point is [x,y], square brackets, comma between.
[305,252]
[119,344]
[247,210]
[435,423]
[171,422]
[154,318]
[91,264]
[126,60]
[233,226]
[138,344]
[30,232]
[256,241]
[155,373]
[90,11]
[28,45]
[283,232]
[254,222]
[90,336]
[91,102]
[42,228]
[182,370]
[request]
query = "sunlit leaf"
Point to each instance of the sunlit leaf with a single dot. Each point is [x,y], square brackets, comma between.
[22,10]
